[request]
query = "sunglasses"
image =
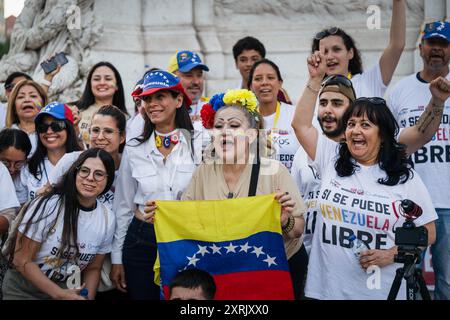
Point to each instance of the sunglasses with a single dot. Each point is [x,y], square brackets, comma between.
[56,126]
[15,164]
[373,100]
[328,32]
[337,79]
[9,87]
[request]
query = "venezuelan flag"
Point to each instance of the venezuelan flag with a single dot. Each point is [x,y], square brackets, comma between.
[238,241]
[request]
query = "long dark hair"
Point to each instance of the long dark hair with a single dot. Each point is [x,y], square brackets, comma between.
[182,120]
[15,138]
[263,61]
[88,99]
[118,116]
[355,64]
[67,203]
[36,162]
[392,155]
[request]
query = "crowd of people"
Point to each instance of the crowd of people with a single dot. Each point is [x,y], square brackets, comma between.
[80,181]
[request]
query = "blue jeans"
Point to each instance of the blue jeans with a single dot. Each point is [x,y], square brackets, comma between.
[440,251]
[138,257]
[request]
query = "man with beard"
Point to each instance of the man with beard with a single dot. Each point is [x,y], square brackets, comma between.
[188,66]
[407,102]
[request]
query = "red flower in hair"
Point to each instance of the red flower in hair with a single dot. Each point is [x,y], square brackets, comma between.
[207,114]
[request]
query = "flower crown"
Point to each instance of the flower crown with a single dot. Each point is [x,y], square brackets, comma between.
[241,97]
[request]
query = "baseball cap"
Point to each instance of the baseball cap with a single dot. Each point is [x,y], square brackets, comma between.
[160,80]
[437,29]
[339,84]
[56,110]
[185,61]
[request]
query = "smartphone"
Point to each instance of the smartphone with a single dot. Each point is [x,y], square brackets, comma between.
[49,66]
[61,58]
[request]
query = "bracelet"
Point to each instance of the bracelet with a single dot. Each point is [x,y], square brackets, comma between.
[45,82]
[311,88]
[289,225]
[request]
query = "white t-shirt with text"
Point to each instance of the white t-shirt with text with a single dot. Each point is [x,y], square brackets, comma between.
[407,101]
[357,205]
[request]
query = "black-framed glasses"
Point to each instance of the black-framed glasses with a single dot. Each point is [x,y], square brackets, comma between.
[16,164]
[373,100]
[56,126]
[108,133]
[325,33]
[85,172]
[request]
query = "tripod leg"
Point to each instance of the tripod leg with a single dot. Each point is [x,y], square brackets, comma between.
[396,284]
[422,285]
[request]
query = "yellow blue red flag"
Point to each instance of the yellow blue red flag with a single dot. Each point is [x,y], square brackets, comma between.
[238,241]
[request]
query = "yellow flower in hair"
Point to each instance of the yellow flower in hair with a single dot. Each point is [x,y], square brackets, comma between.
[242,97]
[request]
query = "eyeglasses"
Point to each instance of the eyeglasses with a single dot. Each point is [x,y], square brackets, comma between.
[337,79]
[56,126]
[85,172]
[373,100]
[107,132]
[15,164]
[329,32]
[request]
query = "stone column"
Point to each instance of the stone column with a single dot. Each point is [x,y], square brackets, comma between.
[210,46]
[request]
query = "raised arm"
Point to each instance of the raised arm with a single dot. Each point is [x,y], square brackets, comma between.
[421,133]
[306,133]
[391,55]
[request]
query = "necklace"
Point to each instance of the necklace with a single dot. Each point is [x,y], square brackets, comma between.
[167,139]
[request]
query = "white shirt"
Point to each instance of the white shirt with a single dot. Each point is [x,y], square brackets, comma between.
[30,183]
[33,139]
[95,233]
[8,197]
[369,83]
[308,181]
[135,127]
[144,176]
[3,111]
[358,205]
[407,101]
[283,137]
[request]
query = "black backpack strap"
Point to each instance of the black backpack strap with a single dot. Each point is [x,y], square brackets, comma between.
[255,173]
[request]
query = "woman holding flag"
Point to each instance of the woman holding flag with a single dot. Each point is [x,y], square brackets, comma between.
[237,170]
[158,165]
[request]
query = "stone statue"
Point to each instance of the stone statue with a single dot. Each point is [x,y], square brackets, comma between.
[46,27]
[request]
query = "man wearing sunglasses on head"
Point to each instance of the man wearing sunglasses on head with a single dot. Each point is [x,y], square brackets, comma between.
[10,82]
[432,161]
[335,94]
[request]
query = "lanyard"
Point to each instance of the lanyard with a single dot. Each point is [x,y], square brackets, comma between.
[275,120]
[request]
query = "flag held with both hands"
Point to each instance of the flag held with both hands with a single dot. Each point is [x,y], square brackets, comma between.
[238,241]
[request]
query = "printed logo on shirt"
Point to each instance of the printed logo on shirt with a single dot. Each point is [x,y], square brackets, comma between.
[364,215]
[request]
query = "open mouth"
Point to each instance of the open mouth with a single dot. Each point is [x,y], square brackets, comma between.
[51,139]
[28,108]
[332,64]
[359,143]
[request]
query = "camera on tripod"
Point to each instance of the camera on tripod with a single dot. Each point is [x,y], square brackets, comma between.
[409,237]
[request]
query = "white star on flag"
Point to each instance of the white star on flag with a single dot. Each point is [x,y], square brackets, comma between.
[215,249]
[231,248]
[257,251]
[245,247]
[193,260]
[202,250]
[270,260]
